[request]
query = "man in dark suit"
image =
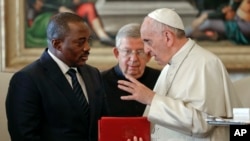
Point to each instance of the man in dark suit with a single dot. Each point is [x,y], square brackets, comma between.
[41,104]
[132,60]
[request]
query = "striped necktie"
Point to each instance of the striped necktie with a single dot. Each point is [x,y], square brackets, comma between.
[78,91]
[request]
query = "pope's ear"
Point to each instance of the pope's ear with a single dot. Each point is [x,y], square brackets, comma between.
[169,36]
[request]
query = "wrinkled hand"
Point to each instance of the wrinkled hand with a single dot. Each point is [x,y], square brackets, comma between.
[139,92]
[136,139]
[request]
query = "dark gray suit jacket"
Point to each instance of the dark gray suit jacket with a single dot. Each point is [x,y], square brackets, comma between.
[40,103]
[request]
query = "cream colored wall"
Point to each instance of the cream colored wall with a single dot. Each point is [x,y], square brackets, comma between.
[242,87]
[4,82]
[1,28]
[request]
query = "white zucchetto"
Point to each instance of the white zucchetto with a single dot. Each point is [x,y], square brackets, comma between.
[167,16]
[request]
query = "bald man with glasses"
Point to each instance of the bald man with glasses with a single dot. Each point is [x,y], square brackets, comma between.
[132,60]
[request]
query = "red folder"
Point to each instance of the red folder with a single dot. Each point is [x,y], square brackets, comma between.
[123,128]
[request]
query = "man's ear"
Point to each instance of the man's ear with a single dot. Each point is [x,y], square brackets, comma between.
[56,43]
[115,52]
[169,36]
[148,57]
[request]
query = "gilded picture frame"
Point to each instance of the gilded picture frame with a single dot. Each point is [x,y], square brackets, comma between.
[14,55]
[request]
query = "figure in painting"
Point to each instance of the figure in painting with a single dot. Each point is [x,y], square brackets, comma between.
[232,23]
[38,13]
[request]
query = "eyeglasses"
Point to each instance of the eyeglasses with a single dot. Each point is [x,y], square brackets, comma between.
[129,53]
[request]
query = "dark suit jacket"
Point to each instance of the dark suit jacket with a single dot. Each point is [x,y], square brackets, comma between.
[40,104]
[122,108]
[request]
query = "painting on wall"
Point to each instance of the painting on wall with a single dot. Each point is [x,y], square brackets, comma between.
[36,20]
[21,43]
[37,16]
[39,12]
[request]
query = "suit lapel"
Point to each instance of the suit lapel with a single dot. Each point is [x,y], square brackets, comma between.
[53,72]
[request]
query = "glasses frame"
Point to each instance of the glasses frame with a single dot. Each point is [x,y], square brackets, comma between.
[128,52]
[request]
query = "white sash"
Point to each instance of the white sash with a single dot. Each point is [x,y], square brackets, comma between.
[160,86]
[161,89]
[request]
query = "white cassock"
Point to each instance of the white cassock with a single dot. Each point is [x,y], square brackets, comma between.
[194,85]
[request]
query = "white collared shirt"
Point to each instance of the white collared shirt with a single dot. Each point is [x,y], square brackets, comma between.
[64,68]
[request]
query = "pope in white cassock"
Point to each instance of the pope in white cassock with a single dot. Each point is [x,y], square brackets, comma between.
[193,84]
